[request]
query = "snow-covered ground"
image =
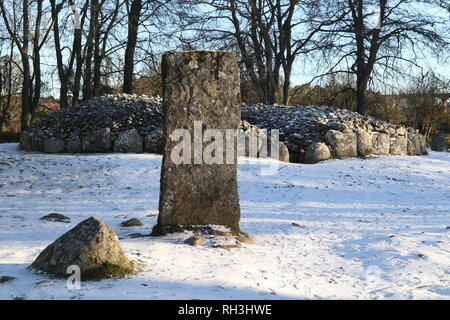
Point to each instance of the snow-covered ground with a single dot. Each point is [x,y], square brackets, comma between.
[366,229]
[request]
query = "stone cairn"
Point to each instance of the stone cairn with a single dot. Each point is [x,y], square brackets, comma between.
[121,123]
[314,133]
[128,123]
[199,87]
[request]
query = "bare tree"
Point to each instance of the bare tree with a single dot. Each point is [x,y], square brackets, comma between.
[6,84]
[134,13]
[379,37]
[422,101]
[65,70]
[149,18]
[31,71]
[103,18]
[267,35]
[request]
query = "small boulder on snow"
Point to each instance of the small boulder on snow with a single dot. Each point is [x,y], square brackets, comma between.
[132,223]
[56,217]
[195,241]
[92,246]
[4,279]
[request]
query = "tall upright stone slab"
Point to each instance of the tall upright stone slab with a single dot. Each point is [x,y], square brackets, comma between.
[199,86]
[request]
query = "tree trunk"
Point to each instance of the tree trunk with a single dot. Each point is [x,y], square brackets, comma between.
[97,62]
[35,94]
[78,68]
[87,84]
[62,74]
[361,103]
[25,119]
[133,23]
[286,85]
[76,53]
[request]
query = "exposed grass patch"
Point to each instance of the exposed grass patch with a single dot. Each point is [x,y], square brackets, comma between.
[107,270]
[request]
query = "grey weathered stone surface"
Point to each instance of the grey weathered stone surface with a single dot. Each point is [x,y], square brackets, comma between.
[195,241]
[4,279]
[269,143]
[97,141]
[236,245]
[56,217]
[422,143]
[92,245]
[53,145]
[25,140]
[381,143]
[133,222]
[413,146]
[251,138]
[364,143]
[129,141]
[342,144]
[74,144]
[246,240]
[153,142]
[401,131]
[316,152]
[439,143]
[199,86]
[398,146]
[37,141]
[283,152]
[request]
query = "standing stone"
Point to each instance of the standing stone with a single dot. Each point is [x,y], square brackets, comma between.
[199,86]
[92,246]
[438,142]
